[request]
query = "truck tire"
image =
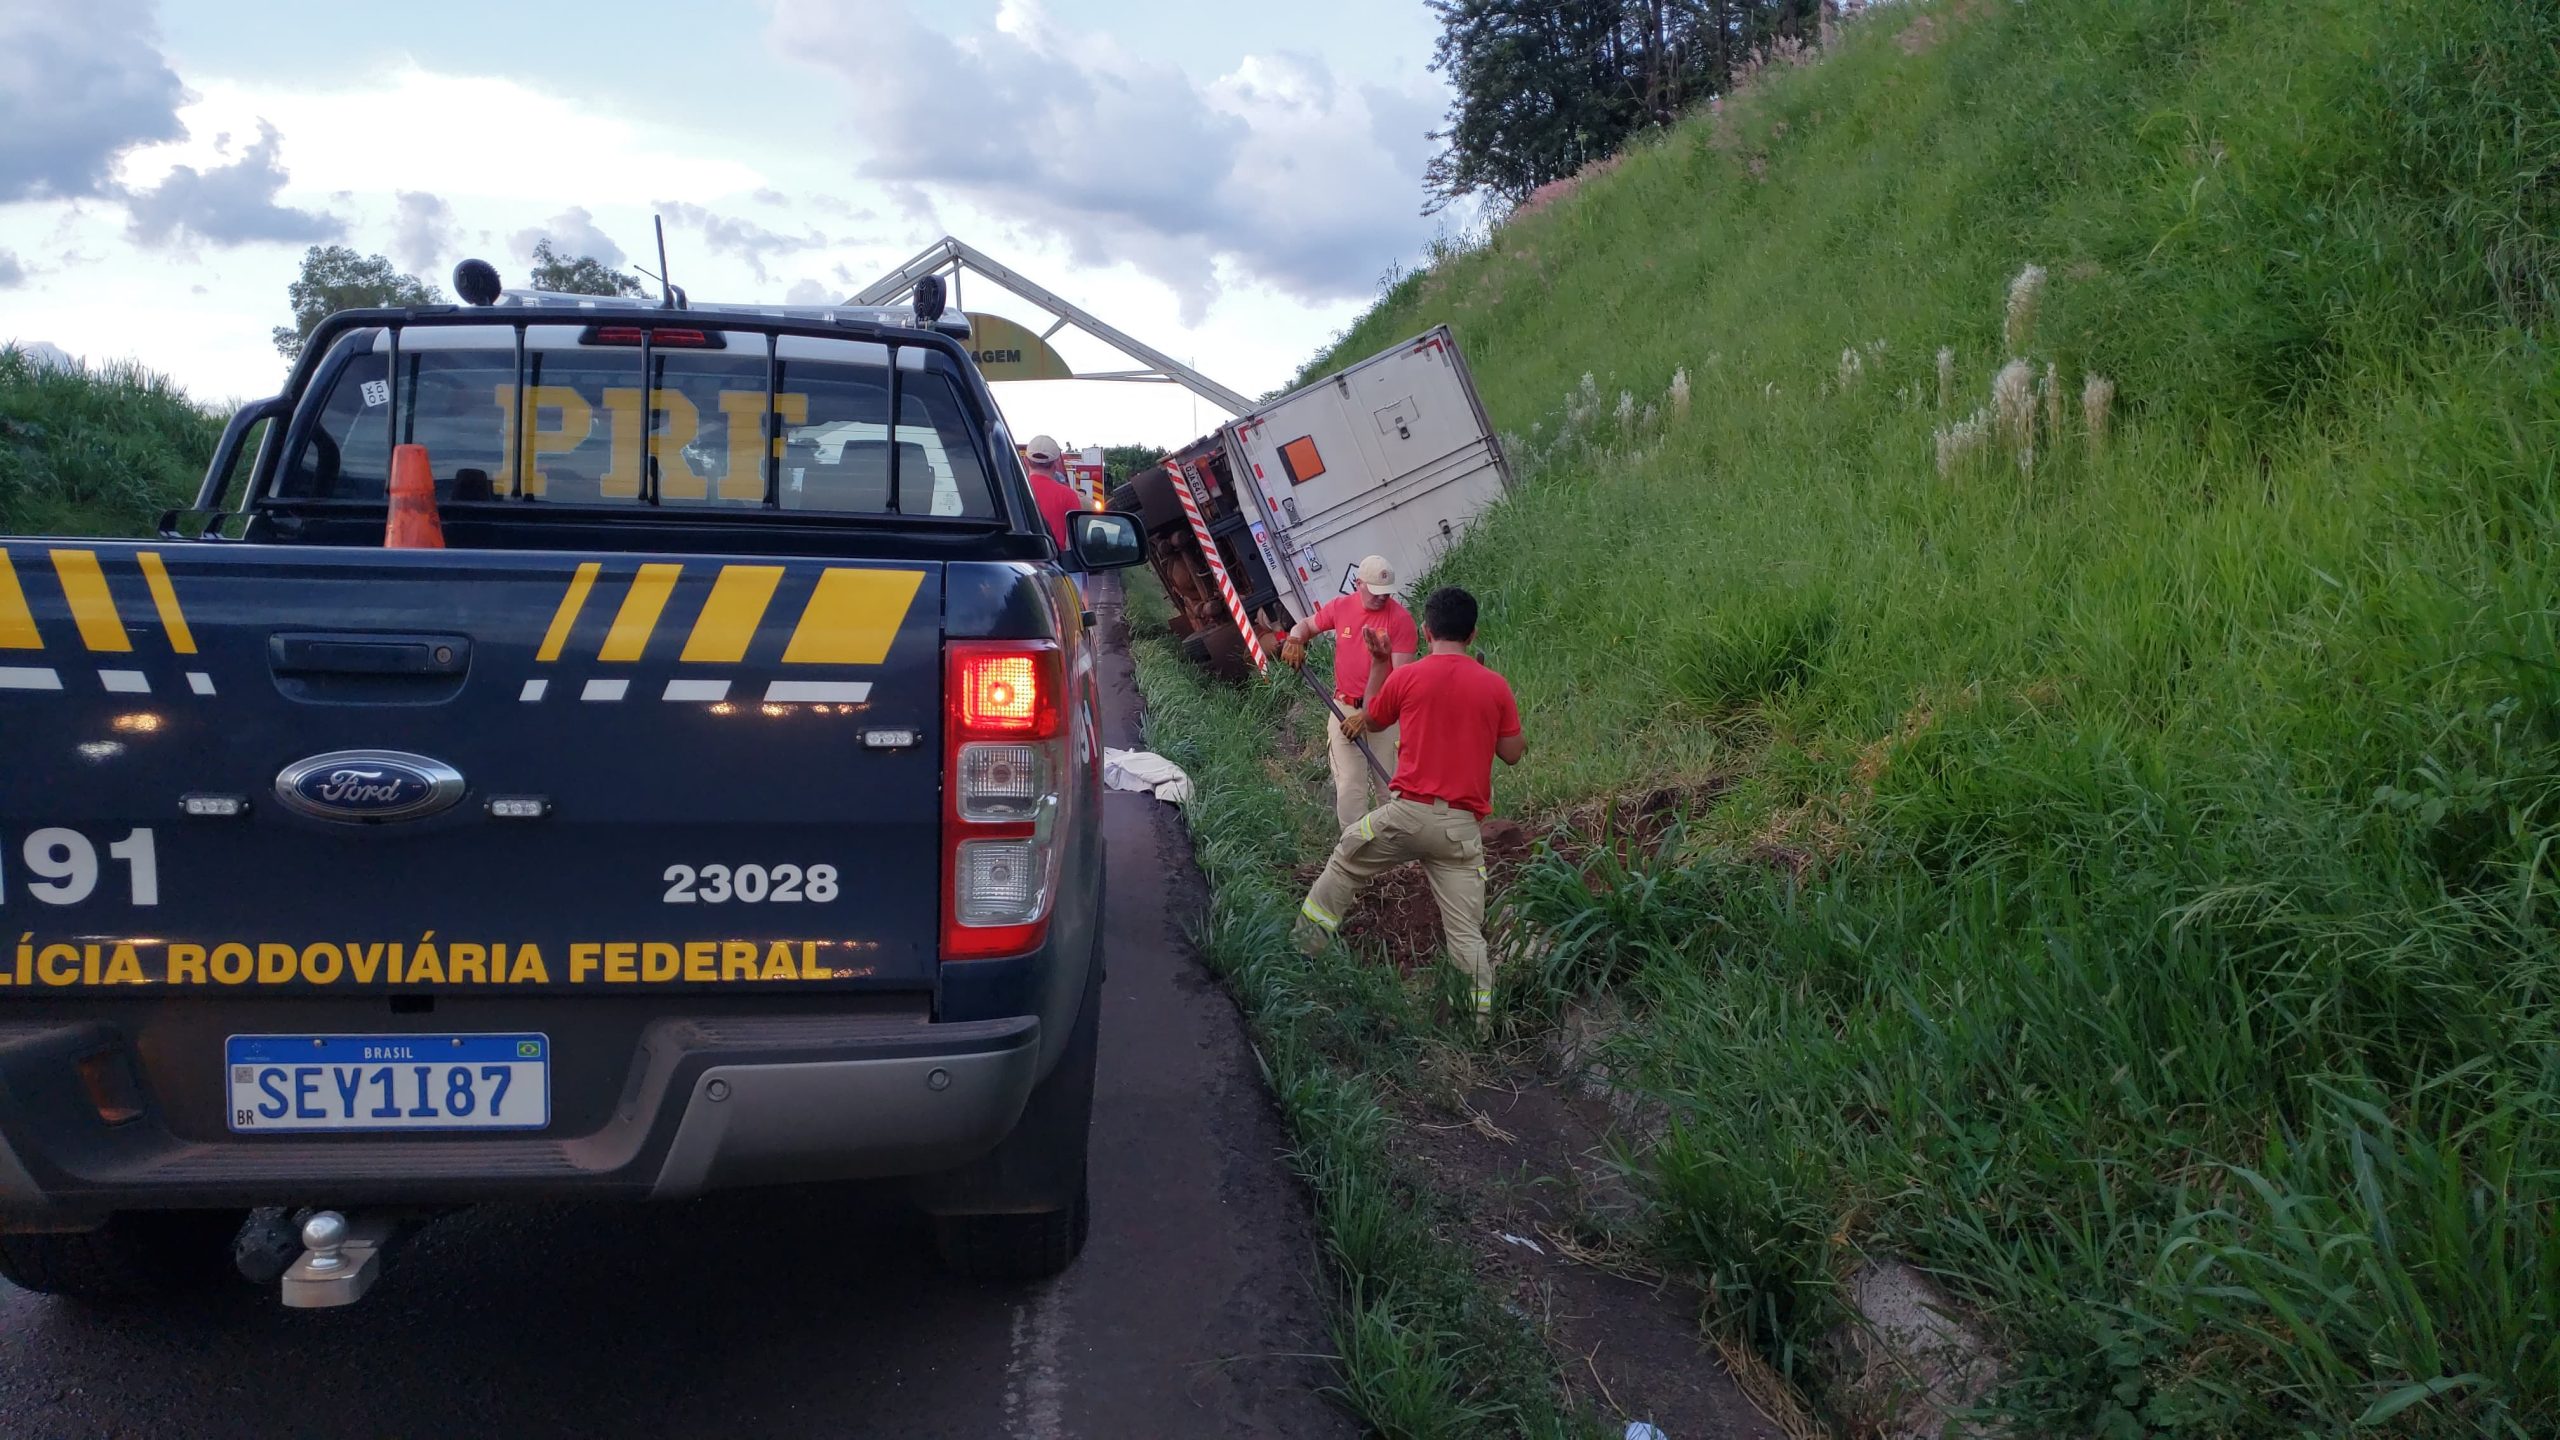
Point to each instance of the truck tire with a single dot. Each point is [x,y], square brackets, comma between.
[1014,1249]
[1151,494]
[1123,498]
[136,1255]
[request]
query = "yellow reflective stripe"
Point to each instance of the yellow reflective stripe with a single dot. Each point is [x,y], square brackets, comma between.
[17,622]
[729,618]
[1319,914]
[1367,830]
[852,617]
[639,614]
[567,615]
[165,595]
[92,608]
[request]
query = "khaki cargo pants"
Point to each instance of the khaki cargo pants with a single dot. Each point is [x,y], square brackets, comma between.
[1355,790]
[1451,849]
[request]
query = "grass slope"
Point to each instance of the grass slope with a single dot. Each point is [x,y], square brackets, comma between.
[1423,1351]
[95,452]
[2136,897]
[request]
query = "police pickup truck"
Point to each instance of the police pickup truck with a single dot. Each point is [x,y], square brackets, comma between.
[603,750]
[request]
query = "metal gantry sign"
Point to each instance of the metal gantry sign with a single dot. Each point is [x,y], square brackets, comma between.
[1021,354]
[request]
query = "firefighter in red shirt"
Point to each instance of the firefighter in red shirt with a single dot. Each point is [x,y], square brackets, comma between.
[1371,608]
[1457,717]
[1056,498]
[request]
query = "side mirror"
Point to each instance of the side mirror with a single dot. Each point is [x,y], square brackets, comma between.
[1102,540]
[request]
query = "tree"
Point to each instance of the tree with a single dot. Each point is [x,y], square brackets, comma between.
[335,278]
[582,275]
[1542,91]
[1546,87]
[1119,462]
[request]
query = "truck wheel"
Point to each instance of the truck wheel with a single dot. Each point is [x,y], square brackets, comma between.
[1123,498]
[134,1256]
[1013,1248]
[1151,493]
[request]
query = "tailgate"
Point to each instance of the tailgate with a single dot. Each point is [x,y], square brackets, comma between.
[470,770]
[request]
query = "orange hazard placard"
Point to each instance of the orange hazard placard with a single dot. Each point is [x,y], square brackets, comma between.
[1300,459]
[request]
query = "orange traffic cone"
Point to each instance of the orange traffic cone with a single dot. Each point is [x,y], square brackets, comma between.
[412,523]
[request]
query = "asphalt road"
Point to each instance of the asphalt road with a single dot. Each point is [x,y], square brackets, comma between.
[794,1313]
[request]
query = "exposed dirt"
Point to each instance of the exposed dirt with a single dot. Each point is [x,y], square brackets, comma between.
[1525,1163]
[1633,827]
[1397,915]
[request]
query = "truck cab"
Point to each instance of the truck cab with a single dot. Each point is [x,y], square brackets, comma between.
[716,805]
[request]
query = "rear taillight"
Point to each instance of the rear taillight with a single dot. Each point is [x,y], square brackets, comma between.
[1005,754]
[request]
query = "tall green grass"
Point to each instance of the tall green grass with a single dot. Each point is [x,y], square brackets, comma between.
[2176,967]
[1425,1352]
[95,451]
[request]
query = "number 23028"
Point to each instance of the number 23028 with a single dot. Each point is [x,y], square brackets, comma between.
[750,884]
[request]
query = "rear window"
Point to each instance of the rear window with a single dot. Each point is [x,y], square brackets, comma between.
[590,441]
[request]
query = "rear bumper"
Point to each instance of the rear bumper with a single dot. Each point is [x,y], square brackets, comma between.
[710,1103]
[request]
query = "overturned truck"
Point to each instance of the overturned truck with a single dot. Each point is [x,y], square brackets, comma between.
[1253,526]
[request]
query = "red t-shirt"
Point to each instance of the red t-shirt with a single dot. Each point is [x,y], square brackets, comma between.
[1346,617]
[1453,709]
[1057,500]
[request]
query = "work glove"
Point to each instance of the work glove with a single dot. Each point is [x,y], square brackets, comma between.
[1381,649]
[1355,723]
[1293,653]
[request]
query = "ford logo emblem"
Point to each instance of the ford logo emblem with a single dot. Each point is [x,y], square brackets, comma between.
[369,785]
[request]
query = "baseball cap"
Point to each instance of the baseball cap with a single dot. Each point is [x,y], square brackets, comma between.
[1377,576]
[1043,449]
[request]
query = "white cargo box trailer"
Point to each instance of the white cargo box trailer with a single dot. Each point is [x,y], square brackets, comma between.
[1391,457]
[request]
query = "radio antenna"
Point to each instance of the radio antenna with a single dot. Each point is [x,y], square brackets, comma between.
[667,291]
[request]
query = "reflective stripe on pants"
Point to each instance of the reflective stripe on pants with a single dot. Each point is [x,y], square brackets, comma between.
[1450,848]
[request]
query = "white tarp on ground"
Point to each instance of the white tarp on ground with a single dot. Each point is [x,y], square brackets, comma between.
[1145,770]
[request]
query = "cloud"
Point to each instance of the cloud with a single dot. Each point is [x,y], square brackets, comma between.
[572,233]
[1275,172]
[491,138]
[422,232]
[745,239]
[232,204]
[809,292]
[12,274]
[80,84]
[839,207]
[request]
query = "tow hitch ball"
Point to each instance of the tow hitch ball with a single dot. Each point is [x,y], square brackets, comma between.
[326,1260]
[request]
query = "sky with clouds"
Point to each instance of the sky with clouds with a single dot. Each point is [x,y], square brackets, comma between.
[1224,181]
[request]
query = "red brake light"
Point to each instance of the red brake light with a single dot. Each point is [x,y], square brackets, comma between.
[1004,691]
[630,335]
